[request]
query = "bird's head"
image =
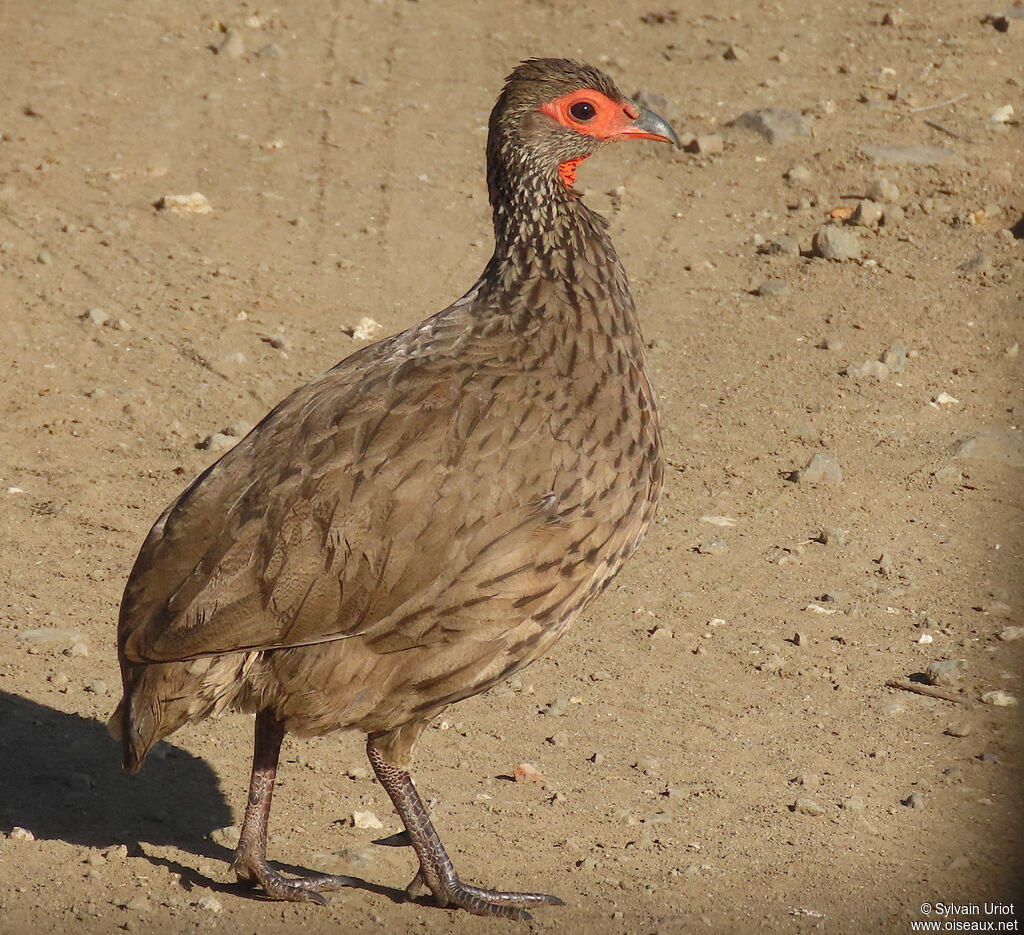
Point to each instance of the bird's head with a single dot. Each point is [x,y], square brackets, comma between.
[553,113]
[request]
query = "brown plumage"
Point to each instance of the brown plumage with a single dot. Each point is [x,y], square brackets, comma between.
[430,515]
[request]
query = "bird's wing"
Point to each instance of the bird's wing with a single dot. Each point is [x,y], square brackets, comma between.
[397,503]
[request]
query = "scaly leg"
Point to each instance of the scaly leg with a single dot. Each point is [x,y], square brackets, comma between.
[436,870]
[250,863]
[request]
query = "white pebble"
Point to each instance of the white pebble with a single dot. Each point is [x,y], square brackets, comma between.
[21,834]
[999,698]
[366,820]
[184,205]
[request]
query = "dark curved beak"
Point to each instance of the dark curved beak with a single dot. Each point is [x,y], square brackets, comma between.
[647,125]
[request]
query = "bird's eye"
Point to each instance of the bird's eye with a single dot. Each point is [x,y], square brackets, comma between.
[583,110]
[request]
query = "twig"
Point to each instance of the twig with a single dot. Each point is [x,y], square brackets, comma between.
[946,130]
[929,690]
[952,100]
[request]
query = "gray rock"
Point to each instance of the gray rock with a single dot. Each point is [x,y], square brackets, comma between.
[782,246]
[772,287]
[945,671]
[911,155]
[94,316]
[775,124]
[805,806]
[959,729]
[823,468]
[835,243]
[914,800]
[713,547]
[895,357]
[799,174]
[1008,634]
[1002,446]
[893,215]
[881,189]
[873,369]
[979,263]
[232,46]
[868,214]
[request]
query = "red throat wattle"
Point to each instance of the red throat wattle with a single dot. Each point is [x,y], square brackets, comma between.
[567,171]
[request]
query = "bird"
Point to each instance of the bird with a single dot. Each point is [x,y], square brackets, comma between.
[427,517]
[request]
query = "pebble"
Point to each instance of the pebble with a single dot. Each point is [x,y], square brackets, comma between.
[94,316]
[948,475]
[910,155]
[117,852]
[999,698]
[366,329]
[1002,114]
[895,357]
[959,729]
[713,547]
[527,772]
[834,243]
[773,663]
[772,287]
[366,820]
[139,903]
[914,800]
[357,772]
[735,53]
[873,369]
[54,640]
[822,468]
[881,189]
[556,707]
[1011,633]
[783,246]
[559,739]
[853,804]
[808,807]
[232,46]
[270,50]
[184,205]
[208,903]
[647,765]
[893,215]
[217,442]
[1004,446]
[21,834]
[868,214]
[661,633]
[979,263]
[226,837]
[775,124]
[945,671]
[706,144]
[96,687]
[799,173]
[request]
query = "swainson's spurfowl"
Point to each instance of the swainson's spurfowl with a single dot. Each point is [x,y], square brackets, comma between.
[427,517]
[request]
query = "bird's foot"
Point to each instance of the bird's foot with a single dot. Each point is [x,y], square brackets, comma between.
[481,902]
[257,872]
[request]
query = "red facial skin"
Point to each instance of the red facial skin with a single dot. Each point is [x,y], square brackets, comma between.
[612,120]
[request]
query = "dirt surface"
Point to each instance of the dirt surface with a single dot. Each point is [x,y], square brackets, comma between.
[723,752]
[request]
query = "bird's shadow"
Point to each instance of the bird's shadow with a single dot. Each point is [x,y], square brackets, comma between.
[60,778]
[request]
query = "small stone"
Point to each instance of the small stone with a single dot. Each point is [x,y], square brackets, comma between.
[776,124]
[808,807]
[559,739]
[21,834]
[1001,446]
[1002,114]
[270,50]
[706,144]
[647,765]
[1012,351]
[117,852]
[596,758]
[895,357]
[53,639]
[979,263]
[208,903]
[822,468]
[226,837]
[366,820]
[893,215]
[783,246]
[735,53]
[870,369]
[556,707]
[945,399]
[94,316]
[661,633]
[713,547]
[800,639]
[139,903]
[772,663]
[184,205]
[914,800]
[853,804]
[772,287]
[1009,634]
[799,174]
[867,214]
[945,671]
[277,341]
[948,475]
[96,687]
[834,243]
[232,46]
[959,729]
[217,442]
[527,772]
[999,698]
[893,18]
[881,189]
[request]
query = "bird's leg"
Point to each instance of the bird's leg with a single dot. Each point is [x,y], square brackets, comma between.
[250,863]
[436,871]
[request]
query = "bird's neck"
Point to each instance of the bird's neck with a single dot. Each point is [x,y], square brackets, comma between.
[554,268]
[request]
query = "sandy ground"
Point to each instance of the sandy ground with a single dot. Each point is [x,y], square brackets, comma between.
[724,752]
